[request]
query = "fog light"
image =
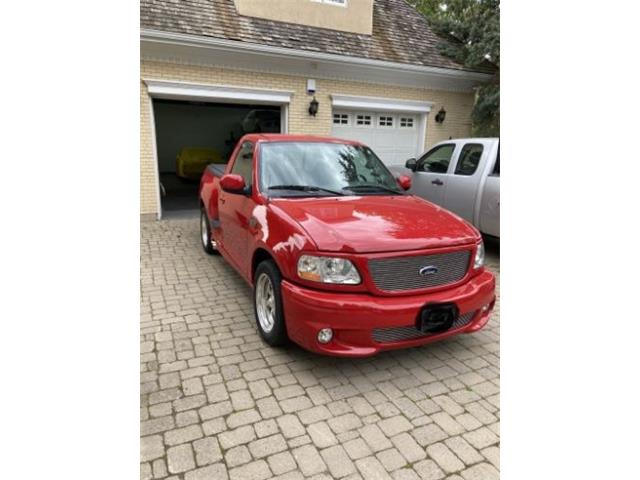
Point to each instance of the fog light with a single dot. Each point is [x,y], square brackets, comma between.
[485,308]
[325,335]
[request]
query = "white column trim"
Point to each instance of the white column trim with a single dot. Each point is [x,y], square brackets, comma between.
[156,168]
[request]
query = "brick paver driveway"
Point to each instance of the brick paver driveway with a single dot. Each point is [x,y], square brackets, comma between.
[218,403]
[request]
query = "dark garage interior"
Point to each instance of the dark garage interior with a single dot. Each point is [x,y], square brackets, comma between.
[190,135]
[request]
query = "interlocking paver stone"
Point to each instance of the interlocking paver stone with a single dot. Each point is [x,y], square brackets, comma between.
[338,461]
[237,456]
[391,459]
[408,447]
[183,435]
[252,471]
[290,426]
[393,426]
[207,451]
[281,463]
[321,435]
[463,450]
[444,458]
[151,448]
[357,448]
[481,438]
[217,403]
[267,446]
[239,436]
[370,467]
[180,458]
[309,460]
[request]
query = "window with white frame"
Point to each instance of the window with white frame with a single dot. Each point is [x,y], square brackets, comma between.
[385,121]
[339,3]
[340,119]
[363,120]
[407,122]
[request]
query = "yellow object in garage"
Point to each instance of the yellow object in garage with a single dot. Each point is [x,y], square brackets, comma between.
[191,161]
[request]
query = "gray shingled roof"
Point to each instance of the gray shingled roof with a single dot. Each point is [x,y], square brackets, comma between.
[400,33]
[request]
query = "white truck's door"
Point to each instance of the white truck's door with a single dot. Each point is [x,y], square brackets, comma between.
[490,203]
[468,169]
[430,178]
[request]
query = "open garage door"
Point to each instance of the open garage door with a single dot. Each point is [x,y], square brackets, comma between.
[190,135]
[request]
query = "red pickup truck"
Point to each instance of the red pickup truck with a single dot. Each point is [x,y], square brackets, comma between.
[341,259]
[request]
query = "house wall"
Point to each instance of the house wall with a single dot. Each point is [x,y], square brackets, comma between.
[457,104]
[355,17]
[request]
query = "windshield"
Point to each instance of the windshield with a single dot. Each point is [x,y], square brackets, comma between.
[317,168]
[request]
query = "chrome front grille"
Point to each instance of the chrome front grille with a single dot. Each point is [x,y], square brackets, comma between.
[399,334]
[403,273]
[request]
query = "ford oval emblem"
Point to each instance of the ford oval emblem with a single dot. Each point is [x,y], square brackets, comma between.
[428,270]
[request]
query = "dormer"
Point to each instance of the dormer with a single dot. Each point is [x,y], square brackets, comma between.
[353,16]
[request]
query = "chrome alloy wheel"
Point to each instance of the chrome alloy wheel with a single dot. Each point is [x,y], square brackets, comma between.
[265,303]
[204,230]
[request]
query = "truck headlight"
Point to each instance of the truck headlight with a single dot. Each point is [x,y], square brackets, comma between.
[479,260]
[328,270]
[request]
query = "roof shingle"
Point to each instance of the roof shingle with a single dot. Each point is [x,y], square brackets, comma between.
[400,33]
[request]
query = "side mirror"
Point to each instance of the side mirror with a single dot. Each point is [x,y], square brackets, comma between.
[405,182]
[232,183]
[411,164]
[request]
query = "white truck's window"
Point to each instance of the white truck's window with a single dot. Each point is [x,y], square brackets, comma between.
[469,159]
[436,160]
[243,165]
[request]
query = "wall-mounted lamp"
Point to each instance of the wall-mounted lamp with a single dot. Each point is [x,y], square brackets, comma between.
[441,115]
[313,107]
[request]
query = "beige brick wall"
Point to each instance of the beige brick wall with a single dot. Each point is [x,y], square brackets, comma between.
[457,104]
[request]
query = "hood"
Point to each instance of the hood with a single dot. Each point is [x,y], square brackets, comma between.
[377,223]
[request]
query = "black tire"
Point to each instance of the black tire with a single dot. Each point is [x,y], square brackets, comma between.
[277,336]
[205,233]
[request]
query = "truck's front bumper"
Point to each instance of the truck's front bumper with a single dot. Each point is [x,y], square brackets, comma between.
[354,318]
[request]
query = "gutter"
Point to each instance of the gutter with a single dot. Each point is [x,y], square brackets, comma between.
[186,40]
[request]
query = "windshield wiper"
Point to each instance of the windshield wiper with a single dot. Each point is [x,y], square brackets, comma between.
[371,186]
[305,188]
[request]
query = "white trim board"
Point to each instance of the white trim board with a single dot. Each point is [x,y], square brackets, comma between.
[198,50]
[176,90]
[376,103]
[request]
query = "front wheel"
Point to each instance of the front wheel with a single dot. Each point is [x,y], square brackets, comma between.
[267,302]
[208,243]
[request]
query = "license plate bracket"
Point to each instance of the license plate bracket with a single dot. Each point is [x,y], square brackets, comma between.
[437,317]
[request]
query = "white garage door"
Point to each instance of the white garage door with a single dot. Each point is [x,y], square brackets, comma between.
[392,136]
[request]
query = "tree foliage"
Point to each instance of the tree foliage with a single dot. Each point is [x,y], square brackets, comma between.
[472,32]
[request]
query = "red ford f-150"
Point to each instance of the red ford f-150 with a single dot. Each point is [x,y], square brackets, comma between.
[341,259]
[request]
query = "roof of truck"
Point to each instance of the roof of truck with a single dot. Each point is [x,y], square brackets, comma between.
[285,137]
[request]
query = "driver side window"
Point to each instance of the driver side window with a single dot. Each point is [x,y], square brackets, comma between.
[436,160]
[243,165]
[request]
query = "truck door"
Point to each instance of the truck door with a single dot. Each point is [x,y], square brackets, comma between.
[490,204]
[430,177]
[461,191]
[235,210]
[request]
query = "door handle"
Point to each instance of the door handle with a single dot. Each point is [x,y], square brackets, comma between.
[437,181]
[222,200]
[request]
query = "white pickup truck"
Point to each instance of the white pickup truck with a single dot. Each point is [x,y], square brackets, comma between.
[463,176]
